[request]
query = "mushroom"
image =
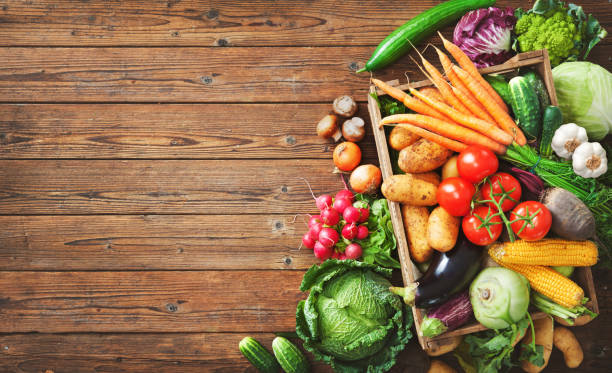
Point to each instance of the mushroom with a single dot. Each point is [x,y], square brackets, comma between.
[353,129]
[328,127]
[345,106]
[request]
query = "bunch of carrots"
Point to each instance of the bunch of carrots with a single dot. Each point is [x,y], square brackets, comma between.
[465,110]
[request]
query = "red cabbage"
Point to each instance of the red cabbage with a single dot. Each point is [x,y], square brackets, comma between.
[484,35]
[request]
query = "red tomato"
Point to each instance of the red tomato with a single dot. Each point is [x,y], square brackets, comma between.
[499,183]
[475,225]
[531,220]
[455,195]
[476,162]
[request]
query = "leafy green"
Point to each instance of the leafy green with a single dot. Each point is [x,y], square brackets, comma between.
[379,246]
[350,319]
[388,105]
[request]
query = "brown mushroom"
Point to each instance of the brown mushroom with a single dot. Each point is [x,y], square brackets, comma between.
[345,106]
[328,127]
[353,129]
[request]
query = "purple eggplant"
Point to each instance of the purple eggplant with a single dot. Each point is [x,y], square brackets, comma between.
[448,274]
[448,316]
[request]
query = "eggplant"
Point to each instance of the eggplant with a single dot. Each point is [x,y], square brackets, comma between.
[448,274]
[448,316]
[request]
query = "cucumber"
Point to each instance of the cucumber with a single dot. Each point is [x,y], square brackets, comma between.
[500,85]
[551,120]
[526,106]
[290,358]
[539,87]
[261,358]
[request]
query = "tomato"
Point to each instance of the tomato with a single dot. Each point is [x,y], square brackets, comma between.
[455,195]
[475,225]
[499,183]
[530,220]
[476,162]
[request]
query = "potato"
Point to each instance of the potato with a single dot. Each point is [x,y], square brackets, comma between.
[578,321]
[401,137]
[442,346]
[430,177]
[415,224]
[566,341]
[422,156]
[409,189]
[450,168]
[438,366]
[442,229]
[544,337]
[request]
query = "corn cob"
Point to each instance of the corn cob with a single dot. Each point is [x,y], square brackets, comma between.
[551,283]
[548,252]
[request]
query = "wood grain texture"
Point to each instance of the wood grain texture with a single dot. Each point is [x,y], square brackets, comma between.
[167,301]
[212,131]
[152,242]
[227,187]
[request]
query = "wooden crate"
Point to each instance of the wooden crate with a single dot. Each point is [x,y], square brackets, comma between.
[540,62]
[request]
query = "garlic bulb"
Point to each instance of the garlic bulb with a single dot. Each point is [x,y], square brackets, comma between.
[567,138]
[590,160]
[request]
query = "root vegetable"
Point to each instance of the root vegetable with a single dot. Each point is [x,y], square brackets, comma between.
[578,321]
[345,106]
[328,128]
[443,346]
[409,189]
[544,337]
[566,341]
[347,156]
[571,218]
[450,168]
[422,156]
[401,137]
[415,224]
[438,366]
[431,177]
[366,179]
[353,129]
[442,229]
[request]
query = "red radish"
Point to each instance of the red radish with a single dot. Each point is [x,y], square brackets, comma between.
[314,219]
[351,214]
[362,232]
[365,214]
[349,231]
[342,256]
[323,201]
[335,255]
[328,237]
[330,216]
[308,241]
[353,251]
[322,252]
[341,203]
[345,193]
[315,230]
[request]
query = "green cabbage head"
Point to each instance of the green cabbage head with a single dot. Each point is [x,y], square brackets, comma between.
[350,319]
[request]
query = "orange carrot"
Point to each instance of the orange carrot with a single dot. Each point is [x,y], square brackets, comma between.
[438,80]
[501,117]
[447,129]
[467,64]
[432,92]
[486,128]
[410,102]
[466,96]
[453,145]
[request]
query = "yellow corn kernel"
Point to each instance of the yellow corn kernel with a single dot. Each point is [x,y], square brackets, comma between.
[547,252]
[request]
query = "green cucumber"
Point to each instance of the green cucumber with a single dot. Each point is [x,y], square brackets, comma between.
[539,87]
[290,358]
[526,106]
[418,28]
[261,358]
[552,119]
[500,85]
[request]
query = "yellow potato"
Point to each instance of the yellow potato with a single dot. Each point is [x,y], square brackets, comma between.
[566,341]
[438,366]
[409,189]
[442,346]
[544,337]
[430,177]
[415,224]
[442,229]
[401,137]
[422,156]
[578,321]
[450,168]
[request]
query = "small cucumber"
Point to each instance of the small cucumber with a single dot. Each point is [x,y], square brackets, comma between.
[289,356]
[552,119]
[500,85]
[526,106]
[540,88]
[261,358]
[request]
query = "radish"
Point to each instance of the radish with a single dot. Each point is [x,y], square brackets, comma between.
[314,219]
[341,203]
[315,230]
[362,232]
[351,214]
[335,255]
[349,231]
[353,251]
[322,252]
[342,256]
[328,237]
[323,201]
[308,241]
[364,214]
[330,216]
[345,193]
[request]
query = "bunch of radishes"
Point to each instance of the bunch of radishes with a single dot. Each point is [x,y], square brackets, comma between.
[341,218]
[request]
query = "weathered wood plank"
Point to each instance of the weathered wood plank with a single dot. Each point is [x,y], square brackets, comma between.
[211,131]
[227,187]
[167,301]
[153,242]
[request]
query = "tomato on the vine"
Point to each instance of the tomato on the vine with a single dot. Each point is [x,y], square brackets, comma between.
[530,220]
[476,162]
[455,195]
[482,226]
[499,184]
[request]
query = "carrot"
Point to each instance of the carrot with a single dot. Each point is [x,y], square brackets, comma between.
[432,92]
[453,145]
[467,64]
[466,96]
[410,102]
[486,128]
[501,117]
[447,129]
[438,80]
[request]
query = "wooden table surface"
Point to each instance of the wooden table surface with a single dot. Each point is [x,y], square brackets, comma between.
[152,165]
